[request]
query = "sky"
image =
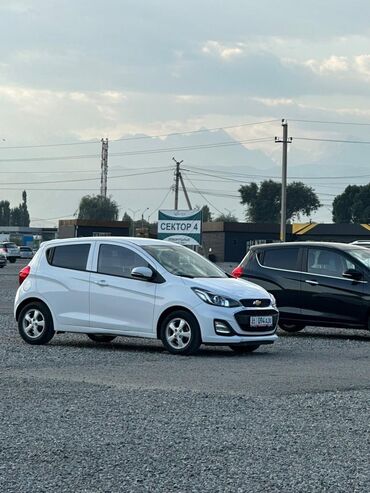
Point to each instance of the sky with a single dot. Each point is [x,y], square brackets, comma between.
[74,72]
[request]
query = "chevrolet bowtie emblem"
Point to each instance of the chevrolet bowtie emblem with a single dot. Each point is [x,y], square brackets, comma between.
[257,302]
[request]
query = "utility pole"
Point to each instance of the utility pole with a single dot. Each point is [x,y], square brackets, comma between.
[185,191]
[285,141]
[177,178]
[104,167]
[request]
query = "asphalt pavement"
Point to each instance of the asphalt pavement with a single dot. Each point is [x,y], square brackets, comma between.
[77,416]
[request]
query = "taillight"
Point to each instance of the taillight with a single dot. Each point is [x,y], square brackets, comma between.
[23,274]
[238,271]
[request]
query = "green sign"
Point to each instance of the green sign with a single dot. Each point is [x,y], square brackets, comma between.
[183,227]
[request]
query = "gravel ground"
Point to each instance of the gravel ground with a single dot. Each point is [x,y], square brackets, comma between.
[129,417]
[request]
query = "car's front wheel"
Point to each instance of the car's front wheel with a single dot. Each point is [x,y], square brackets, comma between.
[12,260]
[180,333]
[244,348]
[35,324]
[101,337]
[291,327]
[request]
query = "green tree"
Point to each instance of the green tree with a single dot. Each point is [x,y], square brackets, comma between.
[4,213]
[226,218]
[206,214]
[19,216]
[263,201]
[353,205]
[128,219]
[97,207]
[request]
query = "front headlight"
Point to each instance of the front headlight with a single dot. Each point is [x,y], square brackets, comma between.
[273,300]
[215,299]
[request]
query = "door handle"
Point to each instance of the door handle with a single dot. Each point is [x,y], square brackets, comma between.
[313,283]
[101,283]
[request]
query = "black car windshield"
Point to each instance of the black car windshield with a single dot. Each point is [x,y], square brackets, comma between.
[362,255]
[181,261]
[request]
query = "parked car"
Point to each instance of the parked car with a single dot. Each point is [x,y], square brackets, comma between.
[314,283]
[25,252]
[3,260]
[142,288]
[10,250]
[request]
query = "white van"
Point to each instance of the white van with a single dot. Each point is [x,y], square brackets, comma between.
[119,286]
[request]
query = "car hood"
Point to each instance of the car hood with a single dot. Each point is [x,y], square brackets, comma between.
[233,288]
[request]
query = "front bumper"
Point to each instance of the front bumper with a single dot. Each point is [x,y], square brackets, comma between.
[207,314]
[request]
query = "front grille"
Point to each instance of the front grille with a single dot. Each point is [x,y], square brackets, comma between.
[256,302]
[243,319]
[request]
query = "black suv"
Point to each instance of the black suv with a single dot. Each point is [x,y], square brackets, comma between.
[322,284]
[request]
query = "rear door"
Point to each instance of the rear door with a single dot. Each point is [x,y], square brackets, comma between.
[327,296]
[118,301]
[278,270]
[63,280]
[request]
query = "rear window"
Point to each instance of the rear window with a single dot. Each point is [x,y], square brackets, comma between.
[10,245]
[26,249]
[69,256]
[280,258]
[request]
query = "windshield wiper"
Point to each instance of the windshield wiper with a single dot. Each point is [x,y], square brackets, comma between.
[184,275]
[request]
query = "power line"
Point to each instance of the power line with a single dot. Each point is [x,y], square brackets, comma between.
[141,137]
[244,175]
[324,122]
[333,140]
[205,198]
[139,152]
[47,172]
[75,180]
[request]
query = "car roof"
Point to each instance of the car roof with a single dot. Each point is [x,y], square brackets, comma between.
[110,239]
[324,244]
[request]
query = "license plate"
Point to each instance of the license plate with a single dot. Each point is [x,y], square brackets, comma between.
[261,321]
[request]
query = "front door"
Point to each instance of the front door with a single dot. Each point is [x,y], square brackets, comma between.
[117,301]
[327,296]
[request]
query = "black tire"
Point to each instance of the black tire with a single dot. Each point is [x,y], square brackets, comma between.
[101,337]
[1,266]
[183,328]
[12,260]
[244,348]
[291,327]
[35,324]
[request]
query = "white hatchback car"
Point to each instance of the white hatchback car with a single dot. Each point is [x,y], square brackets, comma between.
[119,286]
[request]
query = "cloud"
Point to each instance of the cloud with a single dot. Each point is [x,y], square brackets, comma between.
[329,65]
[223,51]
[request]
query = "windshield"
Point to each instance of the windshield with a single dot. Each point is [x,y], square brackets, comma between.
[182,261]
[10,245]
[362,256]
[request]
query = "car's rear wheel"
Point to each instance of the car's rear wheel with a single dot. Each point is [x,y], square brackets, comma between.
[101,337]
[291,327]
[12,260]
[35,324]
[180,333]
[244,348]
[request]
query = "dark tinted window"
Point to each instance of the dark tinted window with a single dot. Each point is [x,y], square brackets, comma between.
[327,262]
[281,258]
[69,256]
[118,261]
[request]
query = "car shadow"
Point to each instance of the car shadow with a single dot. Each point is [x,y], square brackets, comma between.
[324,335]
[155,348]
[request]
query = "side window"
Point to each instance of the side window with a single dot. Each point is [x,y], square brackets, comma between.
[327,262]
[115,260]
[280,258]
[69,256]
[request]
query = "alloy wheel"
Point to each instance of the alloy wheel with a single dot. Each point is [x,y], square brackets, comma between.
[33,323]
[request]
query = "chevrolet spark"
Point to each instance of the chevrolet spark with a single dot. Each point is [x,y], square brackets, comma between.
[109,287]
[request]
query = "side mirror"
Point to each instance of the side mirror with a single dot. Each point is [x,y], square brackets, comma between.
[353,274]
[143,273]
